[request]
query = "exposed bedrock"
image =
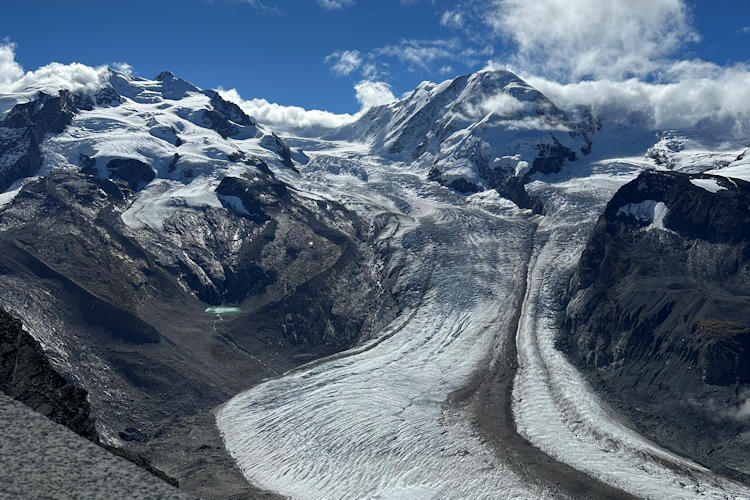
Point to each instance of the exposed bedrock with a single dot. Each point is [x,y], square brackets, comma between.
[23,130]
[658,313]
[26,375]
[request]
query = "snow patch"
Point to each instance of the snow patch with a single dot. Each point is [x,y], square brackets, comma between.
[235,203]
[710,185]
[163,198]
[651,211]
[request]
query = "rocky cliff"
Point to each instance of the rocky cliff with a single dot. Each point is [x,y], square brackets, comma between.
[658,312]
[27,375]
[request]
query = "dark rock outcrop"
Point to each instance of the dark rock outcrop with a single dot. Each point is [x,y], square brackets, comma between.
[23,130]
[551,158]
[27,375]
[248,192]
[226,117]
[229,109]
[659,312]
[274,143]
[514,189]
[134,172]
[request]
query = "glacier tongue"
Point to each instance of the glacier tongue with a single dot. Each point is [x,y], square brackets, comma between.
[376,423]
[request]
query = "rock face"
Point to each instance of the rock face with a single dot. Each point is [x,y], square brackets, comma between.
[26,375]
[134,172]
[659,312]
[23,130]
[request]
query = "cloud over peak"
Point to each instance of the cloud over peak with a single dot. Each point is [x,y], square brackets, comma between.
[372,93]
[576,39]
[49,78]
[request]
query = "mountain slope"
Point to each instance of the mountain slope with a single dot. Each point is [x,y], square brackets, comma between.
[151,207]
[659,312]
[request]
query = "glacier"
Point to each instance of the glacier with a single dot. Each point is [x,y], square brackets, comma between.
[478,276]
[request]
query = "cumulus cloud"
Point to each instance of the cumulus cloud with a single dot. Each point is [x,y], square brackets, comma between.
[719,96]
[573,39]
[50,78]
[344,61]
[286,118]
[503,105]
[122,67]
[295,119]
[10,70]
[335,4]
[371,93]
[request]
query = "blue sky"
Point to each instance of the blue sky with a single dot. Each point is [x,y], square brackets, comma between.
[302,53]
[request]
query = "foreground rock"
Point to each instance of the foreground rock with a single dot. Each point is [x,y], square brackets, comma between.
[42,459]
[27,375]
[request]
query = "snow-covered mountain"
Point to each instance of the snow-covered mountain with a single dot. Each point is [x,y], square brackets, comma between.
[474,131]
[380,301]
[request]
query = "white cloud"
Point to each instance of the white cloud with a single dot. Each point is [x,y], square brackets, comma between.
[369,70]
[571,39]
[746,30]
[452,19]
[346,61]
[721,96]
[122,67]
[10,70]
[618,59]
[335,4]
[371,93]
[295,119]
[286,118]
[264,7]
[420,53]
[50,78]
[503,105]
[427,55]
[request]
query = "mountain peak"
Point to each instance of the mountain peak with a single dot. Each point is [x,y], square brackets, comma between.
[165,75]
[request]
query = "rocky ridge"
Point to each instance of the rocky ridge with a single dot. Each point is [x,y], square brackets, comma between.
[658,312]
